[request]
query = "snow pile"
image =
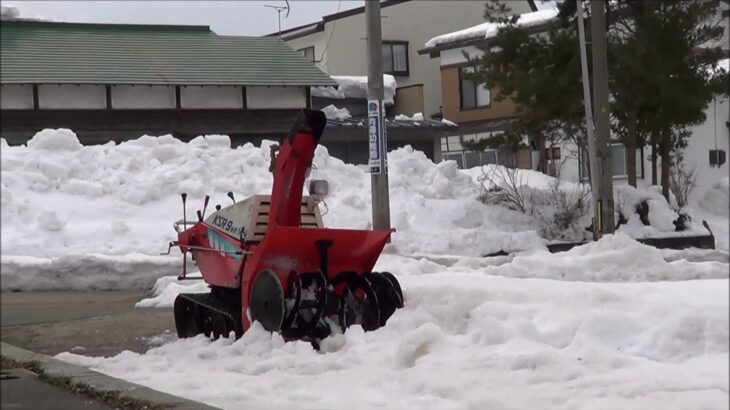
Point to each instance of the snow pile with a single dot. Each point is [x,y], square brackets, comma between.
[539,193]
[332,112]
[490,29]
[716,198]
[469,340]
[599,261]
[661,216]
[713,205]
[355,87]
[167,288]
[416,117]
[592,262]
[62,202]
[76,217]
[85,272]
[61,139]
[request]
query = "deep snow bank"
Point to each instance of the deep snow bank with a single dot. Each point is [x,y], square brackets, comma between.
[65,204]
[60,198]
[469,340]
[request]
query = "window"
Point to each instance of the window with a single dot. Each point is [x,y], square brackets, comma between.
[555,155]
[395,58]
[308,53]
[717,157]
[471,94]
[619,169]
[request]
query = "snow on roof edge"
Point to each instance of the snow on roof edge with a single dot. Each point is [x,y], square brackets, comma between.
[489,29]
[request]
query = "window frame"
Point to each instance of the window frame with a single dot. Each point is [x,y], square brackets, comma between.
[476,95]
[314,56]
[583,175]
[391,43]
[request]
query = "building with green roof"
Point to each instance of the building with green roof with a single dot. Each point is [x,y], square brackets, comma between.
[119,81]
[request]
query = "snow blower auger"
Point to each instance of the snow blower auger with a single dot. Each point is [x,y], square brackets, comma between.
[269,259]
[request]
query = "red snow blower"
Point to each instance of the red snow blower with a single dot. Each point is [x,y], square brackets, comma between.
[268,258]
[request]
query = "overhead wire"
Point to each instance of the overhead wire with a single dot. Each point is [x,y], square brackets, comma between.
[334,26]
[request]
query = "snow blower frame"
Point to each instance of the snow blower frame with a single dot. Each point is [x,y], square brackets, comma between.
[269,259]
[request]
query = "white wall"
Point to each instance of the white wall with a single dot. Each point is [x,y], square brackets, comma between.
[211,97]
[143,97]
[275,97]
[713,132]
[71,96]
[16,97]
[412,21]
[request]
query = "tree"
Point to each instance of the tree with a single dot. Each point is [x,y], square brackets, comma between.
[659,52]
[540,73]
[679,43]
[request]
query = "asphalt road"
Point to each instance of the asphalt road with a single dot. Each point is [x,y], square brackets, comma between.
[21,389]
[89,323]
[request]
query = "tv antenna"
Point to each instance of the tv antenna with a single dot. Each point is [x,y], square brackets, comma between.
[279,9]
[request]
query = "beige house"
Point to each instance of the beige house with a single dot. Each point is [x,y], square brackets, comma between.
[337,45]
[471,105]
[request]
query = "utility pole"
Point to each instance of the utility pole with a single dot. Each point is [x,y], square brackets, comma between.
[604,188]
[593,173]
[377,131]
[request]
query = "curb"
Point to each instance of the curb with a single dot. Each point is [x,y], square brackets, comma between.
[98,382]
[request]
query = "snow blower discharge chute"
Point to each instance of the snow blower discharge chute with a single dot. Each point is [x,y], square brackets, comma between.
[268,258]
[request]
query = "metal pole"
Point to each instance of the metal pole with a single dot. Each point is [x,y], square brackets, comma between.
[600,102]
[589,117]
[376,115]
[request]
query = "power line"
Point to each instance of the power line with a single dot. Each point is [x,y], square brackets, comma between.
[334,25]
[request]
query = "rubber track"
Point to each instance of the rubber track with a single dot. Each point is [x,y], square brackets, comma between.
[213,304]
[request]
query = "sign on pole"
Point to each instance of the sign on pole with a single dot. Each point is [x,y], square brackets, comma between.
[376,136]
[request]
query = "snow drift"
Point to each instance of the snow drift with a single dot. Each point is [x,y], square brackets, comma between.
[469,340]
[71,211]
[61,199]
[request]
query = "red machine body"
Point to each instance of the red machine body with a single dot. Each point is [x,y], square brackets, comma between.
[275,275]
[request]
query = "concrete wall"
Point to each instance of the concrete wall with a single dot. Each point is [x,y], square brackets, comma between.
[412,21]
[276,97]
[71,96]
[16,97]
[211,97]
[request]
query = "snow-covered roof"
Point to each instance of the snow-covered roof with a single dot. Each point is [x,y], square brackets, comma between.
[355,87]
[490,29]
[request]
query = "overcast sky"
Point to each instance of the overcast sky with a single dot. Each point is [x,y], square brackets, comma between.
[224,17]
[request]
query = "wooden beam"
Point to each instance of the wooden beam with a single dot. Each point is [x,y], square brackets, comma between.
[108,97]
[35,96]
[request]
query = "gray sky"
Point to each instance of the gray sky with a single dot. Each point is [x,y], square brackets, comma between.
[224,17]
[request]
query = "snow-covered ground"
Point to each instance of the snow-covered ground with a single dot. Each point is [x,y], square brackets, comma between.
[468,338]
[64,204]
[609,324]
